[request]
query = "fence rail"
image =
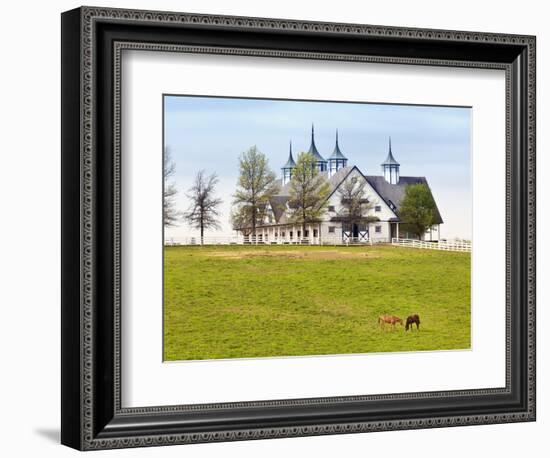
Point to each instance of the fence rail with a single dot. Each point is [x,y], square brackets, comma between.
[446,245]
[258,240]
[262,241]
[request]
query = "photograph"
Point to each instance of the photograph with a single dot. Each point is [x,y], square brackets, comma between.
[314,227]
[285,223]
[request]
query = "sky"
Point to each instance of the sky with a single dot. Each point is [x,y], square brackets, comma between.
[210,133]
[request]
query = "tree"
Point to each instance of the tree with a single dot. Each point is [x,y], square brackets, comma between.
[241,220]
[354,203]
[203,212]
[255,186]
[308,192]
[417,211]
[170,214]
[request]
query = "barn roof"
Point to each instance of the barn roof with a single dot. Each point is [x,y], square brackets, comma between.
[391,194]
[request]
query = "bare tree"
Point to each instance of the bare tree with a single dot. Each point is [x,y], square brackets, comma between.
[203,212]
[255,186]
[308,191]
[354,204]
[170,214]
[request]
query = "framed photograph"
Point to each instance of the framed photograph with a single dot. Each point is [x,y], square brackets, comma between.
[276,228]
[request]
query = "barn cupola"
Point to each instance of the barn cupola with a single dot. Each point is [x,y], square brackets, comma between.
[337,160]
[321,163]
[288,168]
[390,168]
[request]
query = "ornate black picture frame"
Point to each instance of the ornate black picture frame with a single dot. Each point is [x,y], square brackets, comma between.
[92,42]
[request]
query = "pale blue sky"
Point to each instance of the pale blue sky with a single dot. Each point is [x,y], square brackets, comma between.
[211,132]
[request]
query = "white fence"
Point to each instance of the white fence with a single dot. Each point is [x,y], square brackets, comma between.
[446,245]
[452,245]
[174,241]
[259,240]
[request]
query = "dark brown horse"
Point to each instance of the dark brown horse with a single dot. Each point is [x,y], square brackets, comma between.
[411,320]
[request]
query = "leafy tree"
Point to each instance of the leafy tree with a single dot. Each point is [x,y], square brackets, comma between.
[417,211]
[354,203]
[241,220]
[308,192]
[170,214]
[203,212]
[255,186]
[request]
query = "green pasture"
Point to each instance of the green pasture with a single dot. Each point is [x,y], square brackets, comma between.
[260,301]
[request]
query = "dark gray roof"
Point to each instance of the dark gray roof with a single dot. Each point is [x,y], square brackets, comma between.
[278,205]
[313,148]
[390,160]
[338,177]
[334,181]
[337,154]
[290,163]
[278,202]
[393,193]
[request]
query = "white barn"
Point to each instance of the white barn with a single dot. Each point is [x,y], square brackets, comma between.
[385,192]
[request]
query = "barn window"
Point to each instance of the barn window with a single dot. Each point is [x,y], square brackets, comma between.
[331,208]
[315,234]
[378,229]
[331,229]
[378,208]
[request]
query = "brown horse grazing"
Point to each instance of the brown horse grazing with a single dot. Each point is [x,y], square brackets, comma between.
[389,319]
[411,320]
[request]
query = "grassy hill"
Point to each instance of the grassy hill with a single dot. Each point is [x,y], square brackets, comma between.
[242,302]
